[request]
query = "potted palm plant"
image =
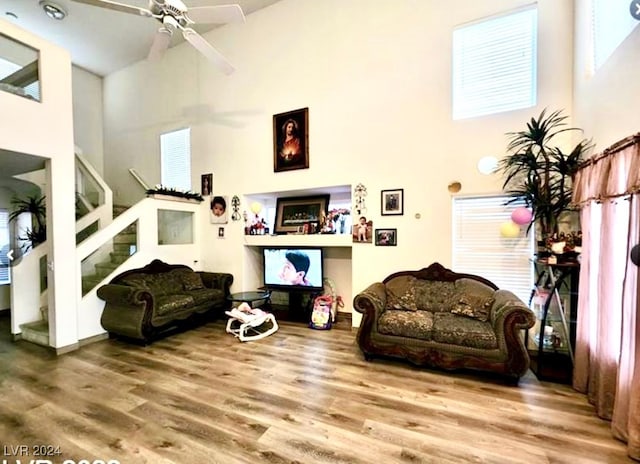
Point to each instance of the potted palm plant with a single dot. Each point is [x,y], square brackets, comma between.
[539,172]
[36,206]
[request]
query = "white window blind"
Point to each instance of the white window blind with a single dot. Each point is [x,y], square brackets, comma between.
[5,246]
[478,248]
[611,24]
[494,64]
[175,151]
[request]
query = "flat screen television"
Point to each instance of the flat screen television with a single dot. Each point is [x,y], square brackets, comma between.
[294,268]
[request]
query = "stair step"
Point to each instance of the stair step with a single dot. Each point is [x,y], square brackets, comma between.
[131,239]
[123,248]
[104,269]
[36,332]
[119,209]
[131,228]
[119,257]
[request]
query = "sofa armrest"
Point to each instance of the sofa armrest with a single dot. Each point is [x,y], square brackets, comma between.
[509,315]
[371,300]
[370,303]
[124,295]
[218,280]
[507,303]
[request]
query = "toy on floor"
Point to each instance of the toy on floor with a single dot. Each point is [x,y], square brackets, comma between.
[244,322]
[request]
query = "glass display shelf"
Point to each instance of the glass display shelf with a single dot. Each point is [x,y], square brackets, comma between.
[554,300]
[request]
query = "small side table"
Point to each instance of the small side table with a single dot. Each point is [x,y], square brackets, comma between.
[254,299]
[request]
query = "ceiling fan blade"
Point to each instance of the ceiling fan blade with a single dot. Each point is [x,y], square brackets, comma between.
[116,6]
[160,44]
[220,14]
[204,47]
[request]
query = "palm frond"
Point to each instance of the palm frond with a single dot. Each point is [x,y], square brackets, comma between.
[538,172]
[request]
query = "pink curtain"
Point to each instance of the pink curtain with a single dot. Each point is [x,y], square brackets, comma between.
[607,355]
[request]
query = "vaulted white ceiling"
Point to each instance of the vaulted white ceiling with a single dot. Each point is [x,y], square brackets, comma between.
[103,41]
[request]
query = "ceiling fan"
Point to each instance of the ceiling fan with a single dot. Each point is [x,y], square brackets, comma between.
[174,14]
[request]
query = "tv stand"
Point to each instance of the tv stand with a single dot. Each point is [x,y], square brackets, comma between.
[298,310]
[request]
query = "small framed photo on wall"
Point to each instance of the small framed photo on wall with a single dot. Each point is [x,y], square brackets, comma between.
[218,210]
[392,202]
[206,181]
[386,237]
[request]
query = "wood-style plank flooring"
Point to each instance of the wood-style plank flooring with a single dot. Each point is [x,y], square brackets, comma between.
[298,396]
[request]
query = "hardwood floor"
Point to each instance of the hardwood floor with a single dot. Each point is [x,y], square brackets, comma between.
[298,396]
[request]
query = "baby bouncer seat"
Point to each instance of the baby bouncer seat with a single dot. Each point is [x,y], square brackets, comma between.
[247,323]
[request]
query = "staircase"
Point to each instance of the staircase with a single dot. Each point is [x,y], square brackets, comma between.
[123,246]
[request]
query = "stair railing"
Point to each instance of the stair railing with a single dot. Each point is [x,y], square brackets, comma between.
[139,178]
[93,189]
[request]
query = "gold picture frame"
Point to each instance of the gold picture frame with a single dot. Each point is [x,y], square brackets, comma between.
[294,212]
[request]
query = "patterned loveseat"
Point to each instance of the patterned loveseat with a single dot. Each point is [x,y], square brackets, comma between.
[440,318]
[144,303]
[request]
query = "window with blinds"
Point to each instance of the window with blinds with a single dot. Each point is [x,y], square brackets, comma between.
[5,246]
[495,64]
[175,154]
[478,248]
[611,23]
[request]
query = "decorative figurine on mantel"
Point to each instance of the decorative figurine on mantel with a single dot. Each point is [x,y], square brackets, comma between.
[258,225]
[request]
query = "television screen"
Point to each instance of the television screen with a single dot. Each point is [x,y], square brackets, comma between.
[294,268]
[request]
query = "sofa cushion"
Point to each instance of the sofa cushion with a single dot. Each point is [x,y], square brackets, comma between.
[463,331]
[473,306]
[401,293]
[434,296]
[136,280]
[191,280]
[472,299]
[414,324]
[207,295]
[166,304]
[472,287]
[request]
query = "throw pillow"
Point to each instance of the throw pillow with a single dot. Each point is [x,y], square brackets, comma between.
[474,306]
[192,281]
[401,293]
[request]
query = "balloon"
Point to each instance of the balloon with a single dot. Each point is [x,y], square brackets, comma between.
[521,216]
[635,255]
[256,207]
[509,229]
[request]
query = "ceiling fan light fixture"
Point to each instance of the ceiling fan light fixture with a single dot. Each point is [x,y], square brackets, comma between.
[53,10]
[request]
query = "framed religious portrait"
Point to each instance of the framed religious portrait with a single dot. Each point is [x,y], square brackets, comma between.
[291,140]
[392,202]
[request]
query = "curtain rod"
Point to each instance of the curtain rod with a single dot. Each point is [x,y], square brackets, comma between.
[612,149]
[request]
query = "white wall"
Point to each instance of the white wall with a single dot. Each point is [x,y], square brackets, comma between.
[377,81]
[46,129]
[87,116]
[606,103]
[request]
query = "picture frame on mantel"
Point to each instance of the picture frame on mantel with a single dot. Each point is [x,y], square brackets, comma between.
[294,212]
[291,140]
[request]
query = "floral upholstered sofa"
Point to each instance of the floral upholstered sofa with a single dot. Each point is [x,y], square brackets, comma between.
[144,303]
[440,318]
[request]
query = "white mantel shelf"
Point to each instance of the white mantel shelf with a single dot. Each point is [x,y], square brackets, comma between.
[322,240]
